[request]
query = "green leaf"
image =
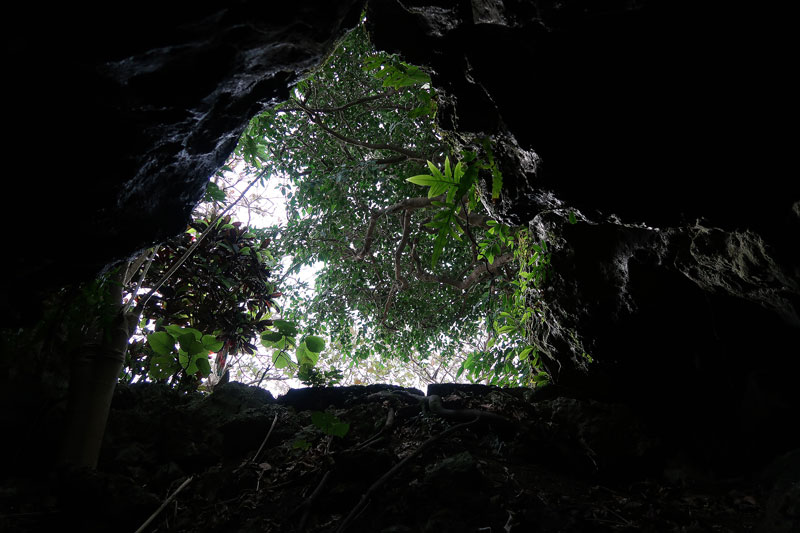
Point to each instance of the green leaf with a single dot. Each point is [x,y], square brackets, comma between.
[423,179]
[301,444]
[271,336]
[161,342]
[435,171]
[438,184]
[175,331]
[497,183]
[190,345]
[192,367]
[541,379]
[315,344]
[162,367]
[524,353]
[329,424]
[438,246]
[281,360]
[204,366]
[213,192]
[572,218]
[305,357]
[287,328]
[458,173]
[211,343]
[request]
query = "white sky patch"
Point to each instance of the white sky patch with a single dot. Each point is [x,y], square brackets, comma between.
[274,215]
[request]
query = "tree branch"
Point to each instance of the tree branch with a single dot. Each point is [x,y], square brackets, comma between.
[407,204]
[355,142]
[359,101]
[466,283]
[398,254]
[401,283]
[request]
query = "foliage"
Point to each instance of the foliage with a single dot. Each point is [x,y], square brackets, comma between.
[178,355]
[225,288]
[398,276]
[223,291]
[453,184]
[340,146]
[510,358]
[282,339]
[457,185]
[329,424]
[316,377]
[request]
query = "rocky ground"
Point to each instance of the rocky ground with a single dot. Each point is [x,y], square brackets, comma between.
[240,460]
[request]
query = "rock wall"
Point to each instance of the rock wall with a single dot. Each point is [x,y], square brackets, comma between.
[655,123]
[118,117]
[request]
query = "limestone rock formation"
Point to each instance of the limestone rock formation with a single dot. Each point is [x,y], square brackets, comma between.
[652,123]
[119,116]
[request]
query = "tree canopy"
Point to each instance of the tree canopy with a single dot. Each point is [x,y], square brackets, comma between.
[409,266]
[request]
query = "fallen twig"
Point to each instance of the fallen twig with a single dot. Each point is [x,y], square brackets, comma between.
[274,421]
[309,503]
[383,479]
[385,429]
[164,505]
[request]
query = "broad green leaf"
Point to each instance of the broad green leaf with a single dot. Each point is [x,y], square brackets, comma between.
[285,343]
[211,343]
[162,367]
[197,334]
[281,360]
[192,368]
[204,366]
[191,345]
[305,357]
[329,424]
[287,328]
[161,342]
[315,344]
[175,331]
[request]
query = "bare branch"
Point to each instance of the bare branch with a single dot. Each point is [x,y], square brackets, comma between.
[407,204]
[372,146]
[477,274]
[398,254]
[401,283]
[359,101]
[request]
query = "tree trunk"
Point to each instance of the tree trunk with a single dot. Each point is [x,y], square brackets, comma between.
[94,373]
